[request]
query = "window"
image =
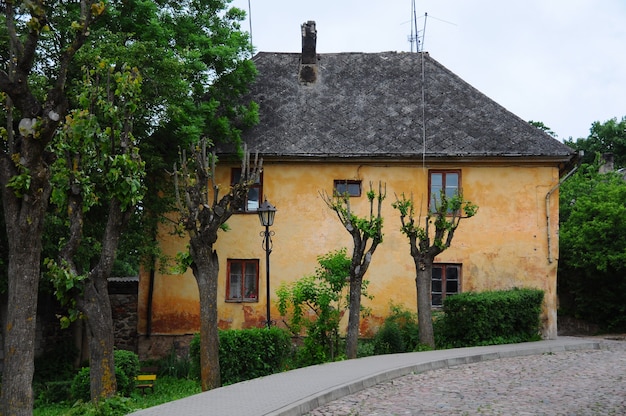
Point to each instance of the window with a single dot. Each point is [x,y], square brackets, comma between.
[342,186]
[446,280]
[254,194]
[242,284]
[450,181]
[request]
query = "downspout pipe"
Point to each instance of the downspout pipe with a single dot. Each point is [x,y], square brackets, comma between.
[549,194]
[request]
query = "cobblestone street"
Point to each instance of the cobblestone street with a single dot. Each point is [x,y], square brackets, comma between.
[590,382]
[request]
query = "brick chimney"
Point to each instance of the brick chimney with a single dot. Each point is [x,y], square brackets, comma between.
[308,61]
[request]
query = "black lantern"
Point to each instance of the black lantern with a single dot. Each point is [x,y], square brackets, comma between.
[266,213]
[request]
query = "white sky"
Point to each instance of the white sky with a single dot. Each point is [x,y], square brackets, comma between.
[562,62]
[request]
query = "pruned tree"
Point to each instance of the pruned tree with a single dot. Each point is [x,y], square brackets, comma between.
[202,213]
[426,242]
[366,235]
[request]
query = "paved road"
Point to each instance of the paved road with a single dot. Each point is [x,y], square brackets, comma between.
[587,382]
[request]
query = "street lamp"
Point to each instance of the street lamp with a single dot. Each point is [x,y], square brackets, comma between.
[266,213]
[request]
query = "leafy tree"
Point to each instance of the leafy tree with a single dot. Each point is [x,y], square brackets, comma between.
[202,213]
[364,230]
[97,163]
[324,295]
[426,243]
[607,137]
[592,238]
[35,65]
[541,126]
[42,54]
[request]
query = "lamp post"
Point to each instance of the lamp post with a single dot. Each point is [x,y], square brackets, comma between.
[266,213]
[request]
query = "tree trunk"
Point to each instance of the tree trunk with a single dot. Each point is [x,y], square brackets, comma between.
[424,294]
[19,330]
[352,337]
[206,270]
[99,322]
[24,224]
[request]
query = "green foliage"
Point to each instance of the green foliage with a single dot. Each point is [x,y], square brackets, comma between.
[56,363]
[388,339]
[592,264]
[115,406]
[493,317]
[81,385]
[247,353]
[399,332]
[52,392]
[445,216]
[126,369]
[317,303]
[177,367]
[607,137]
[166,389]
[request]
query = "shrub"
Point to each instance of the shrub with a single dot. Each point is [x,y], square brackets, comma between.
[388,339]
[115,406]
[247,353]
[178,367]
[407,324]
[57,362]
[126,369]
[486,318]
[81,386]
[53,392]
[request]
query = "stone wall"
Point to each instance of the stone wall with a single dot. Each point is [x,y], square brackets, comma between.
[123,295]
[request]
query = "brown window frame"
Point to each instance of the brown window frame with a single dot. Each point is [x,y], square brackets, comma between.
[444,292]
[235,174]
[251,296]
[347,183]
[444,173]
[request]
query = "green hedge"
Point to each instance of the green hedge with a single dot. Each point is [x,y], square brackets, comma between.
[246,353]
[486,318]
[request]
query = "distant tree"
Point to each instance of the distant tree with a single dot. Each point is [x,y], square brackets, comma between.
[202,213]
[365,231]
[607,137]
[592,237]
[541,126]
[426,243]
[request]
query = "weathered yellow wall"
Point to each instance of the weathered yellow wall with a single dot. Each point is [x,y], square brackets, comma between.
[503,246]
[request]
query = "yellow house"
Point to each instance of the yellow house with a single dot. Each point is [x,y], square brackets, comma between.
[350,119]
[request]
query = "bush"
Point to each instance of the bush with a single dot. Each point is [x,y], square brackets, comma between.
[126,369]
[115,406]
[57,362]
[247,353]
[81,386]
[407,324]
[487,318]
[53,392]
[388,339]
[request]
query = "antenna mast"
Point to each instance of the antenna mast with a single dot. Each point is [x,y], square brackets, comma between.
[414,37]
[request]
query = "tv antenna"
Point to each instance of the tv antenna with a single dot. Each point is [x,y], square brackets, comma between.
[415,38]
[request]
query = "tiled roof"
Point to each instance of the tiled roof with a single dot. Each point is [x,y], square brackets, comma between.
[370,105]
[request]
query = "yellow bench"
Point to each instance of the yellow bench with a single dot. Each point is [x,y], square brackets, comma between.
[145,381]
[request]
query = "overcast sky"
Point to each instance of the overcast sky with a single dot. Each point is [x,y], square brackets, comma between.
[561,62]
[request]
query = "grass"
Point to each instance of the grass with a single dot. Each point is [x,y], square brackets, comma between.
[166,389]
